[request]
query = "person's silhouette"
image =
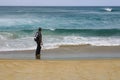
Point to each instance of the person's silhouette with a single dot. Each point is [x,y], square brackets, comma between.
[38,39]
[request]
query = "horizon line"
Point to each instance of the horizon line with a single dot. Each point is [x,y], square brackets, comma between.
[58,6]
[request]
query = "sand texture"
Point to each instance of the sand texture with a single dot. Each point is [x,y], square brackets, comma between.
[60,69]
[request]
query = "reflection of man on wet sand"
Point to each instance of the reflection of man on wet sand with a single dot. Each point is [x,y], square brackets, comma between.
[38,39]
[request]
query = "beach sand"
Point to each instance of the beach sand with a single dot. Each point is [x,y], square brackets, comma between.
[64,63]
[67,53]
[60,69]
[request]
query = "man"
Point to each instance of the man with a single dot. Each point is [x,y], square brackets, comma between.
[38,39]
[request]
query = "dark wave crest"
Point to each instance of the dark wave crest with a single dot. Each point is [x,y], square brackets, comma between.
[84,32]
[78,32]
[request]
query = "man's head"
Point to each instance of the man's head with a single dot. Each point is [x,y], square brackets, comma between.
[39,29]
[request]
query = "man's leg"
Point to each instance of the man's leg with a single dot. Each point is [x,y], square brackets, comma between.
[38,56]
[38,51]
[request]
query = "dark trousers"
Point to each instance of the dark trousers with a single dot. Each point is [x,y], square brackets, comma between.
[38,50]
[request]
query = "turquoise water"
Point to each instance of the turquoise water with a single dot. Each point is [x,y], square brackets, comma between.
[61,26]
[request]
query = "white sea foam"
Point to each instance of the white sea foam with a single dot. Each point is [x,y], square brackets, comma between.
[76,40]
[5,35]
[27,43]
[8,21]
[52,29]
[108,9]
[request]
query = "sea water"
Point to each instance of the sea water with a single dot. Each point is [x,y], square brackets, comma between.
[60,26]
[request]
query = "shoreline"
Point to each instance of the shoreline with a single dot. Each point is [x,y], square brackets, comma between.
[71,52]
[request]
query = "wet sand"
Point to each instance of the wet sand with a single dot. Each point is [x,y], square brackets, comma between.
[60,69]
[67,53]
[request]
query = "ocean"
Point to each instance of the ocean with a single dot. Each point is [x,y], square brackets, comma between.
[60,26]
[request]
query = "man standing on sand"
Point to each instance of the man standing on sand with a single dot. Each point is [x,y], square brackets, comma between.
[38,40]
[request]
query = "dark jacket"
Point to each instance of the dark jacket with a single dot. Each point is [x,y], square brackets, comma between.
[38,37]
